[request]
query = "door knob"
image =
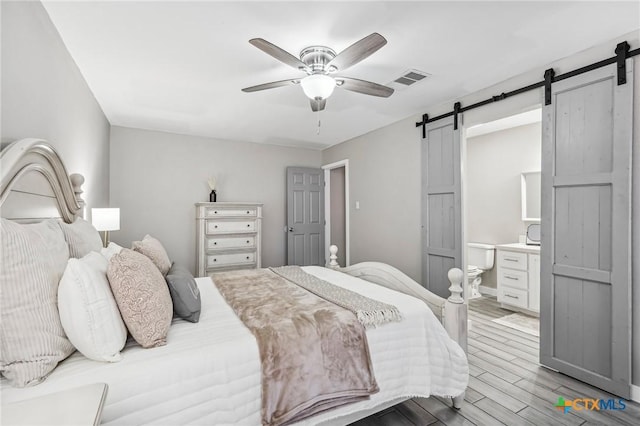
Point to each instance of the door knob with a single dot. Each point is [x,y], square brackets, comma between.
[290,229]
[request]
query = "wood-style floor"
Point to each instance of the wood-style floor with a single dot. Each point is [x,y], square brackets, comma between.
[506,385]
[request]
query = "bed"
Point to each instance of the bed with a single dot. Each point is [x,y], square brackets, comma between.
[209,372]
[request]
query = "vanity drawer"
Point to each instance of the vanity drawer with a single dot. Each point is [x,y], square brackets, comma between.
[512,296]
[230,242]
[215,260]
[513,278]
[214,227]
[512,259]
[226,212]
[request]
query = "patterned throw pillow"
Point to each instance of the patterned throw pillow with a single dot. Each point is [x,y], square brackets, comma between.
[32,340]
[81,237]
[153,249]
[142,296]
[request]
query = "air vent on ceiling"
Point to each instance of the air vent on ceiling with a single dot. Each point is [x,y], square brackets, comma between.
[408,78]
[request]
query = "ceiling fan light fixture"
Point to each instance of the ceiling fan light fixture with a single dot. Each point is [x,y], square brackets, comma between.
[318,86]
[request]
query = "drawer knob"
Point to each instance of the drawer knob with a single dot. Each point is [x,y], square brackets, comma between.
[513,297]
[248,212]
[247,257]
[247,241]
[248,225]
[215,243]
[509,277]
[215,212]
[508,259]
[215,260]
[215,226]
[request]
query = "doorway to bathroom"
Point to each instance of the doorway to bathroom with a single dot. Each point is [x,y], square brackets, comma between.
[501,199]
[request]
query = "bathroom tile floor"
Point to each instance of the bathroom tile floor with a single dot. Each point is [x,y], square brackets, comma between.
[506,385]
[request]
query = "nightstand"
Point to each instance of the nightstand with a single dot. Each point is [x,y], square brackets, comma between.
[77,406]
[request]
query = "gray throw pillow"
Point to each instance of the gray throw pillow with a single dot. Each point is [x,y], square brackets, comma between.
[184,293]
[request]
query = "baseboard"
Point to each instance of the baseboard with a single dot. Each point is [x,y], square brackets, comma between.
[635,393]
[488,291]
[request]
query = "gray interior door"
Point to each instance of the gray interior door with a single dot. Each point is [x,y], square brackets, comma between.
[305,216]
[441,205]
[585,298]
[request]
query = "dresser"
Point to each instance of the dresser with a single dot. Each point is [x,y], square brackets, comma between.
[519,277]
[228,236]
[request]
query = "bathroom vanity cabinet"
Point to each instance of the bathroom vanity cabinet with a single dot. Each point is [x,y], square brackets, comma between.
[519,277]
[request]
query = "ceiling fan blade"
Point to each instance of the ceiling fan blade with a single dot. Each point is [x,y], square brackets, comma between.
[358,51]
[318,105]
[364,87]
[278,53]
[271,85]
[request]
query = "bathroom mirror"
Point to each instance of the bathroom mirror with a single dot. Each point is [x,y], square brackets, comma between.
[530,194]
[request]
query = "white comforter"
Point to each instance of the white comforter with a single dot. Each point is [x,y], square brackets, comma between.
[209,372]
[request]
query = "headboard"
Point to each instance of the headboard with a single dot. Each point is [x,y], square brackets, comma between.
[35,185]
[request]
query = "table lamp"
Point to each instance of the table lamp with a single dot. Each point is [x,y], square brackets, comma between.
[106,219]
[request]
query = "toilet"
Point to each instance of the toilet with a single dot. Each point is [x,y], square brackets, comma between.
[480,258]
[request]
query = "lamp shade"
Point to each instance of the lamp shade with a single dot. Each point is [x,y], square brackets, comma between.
[106,219]
[318,86]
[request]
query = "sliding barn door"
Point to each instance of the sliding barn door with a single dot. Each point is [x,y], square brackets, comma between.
[441,205]
[305,216]
[585,306]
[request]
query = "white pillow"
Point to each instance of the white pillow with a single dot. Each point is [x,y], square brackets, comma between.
[110,250]
[88,311]
[82,237]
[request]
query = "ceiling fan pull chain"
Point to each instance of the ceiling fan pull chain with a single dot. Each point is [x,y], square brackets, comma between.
[318,132]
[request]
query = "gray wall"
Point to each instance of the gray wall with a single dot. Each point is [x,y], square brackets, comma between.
[384,176]
[45,96]
[338,210]
[493,204]
[157,177]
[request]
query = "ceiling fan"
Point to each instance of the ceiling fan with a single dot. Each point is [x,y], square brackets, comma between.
[320,62]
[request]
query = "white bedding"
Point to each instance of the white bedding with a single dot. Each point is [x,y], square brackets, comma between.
[209,372]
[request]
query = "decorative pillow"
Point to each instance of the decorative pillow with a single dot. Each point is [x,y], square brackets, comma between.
[153,249]
[184,293]
[142,296]
[32,340]
[88,311]
[110,250]
[81,237]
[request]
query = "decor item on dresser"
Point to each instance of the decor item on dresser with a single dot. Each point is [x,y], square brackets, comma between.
[228,236]
[519,277]
[216,364]
[213,196]
[106,219]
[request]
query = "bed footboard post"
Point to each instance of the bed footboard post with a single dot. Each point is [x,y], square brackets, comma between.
[455,310]
[455,318]
[333,257]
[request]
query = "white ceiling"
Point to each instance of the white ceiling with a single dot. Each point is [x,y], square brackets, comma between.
[179,66]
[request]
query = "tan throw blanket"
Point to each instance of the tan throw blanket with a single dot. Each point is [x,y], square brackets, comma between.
[314,354]
[369,312]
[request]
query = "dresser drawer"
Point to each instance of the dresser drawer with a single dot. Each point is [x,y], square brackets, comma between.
[226,212]
[230,242]
[214,227]
[214,260]
[512,296]
[512,259]
[513,278]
